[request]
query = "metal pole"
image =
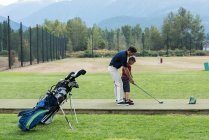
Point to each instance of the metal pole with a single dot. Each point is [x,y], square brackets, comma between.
[190,43]
[56,47]
[92,53]
[143,43]
[167,45]
[21,44]
[37,43]
[47,55]
[30,40]
[50,46]
[42,44]
[8,44]
[65,46]
[53,54]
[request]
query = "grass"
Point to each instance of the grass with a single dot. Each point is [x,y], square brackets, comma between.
[92,127]
[168,85]
[173,85]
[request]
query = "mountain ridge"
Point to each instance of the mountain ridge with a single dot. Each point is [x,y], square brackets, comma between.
[148,12]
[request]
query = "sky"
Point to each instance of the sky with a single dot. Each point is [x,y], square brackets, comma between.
[8,2]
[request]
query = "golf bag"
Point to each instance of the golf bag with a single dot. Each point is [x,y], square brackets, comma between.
[48,106]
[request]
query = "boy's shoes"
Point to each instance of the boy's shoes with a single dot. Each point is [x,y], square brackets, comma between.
[130,103]
[129,100]
[126,102]
[123,103]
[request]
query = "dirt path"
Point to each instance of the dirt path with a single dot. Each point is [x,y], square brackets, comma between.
[99,65]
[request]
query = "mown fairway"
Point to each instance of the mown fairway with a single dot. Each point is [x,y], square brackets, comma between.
[176,78]
[170,85]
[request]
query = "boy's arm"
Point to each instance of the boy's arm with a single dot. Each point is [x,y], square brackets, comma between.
[128,74]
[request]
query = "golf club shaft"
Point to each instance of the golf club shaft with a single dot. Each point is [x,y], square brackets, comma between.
[147,93]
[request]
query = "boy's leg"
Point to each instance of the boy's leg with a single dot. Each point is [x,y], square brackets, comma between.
[127,95]
[118,85]
[126,88]
[127,92]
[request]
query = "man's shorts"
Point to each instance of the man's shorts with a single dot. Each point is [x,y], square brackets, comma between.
[126,85]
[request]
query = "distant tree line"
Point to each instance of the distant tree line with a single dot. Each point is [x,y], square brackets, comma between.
[180,31]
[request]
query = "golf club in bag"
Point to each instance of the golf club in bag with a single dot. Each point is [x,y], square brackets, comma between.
[160,102]
[48,106]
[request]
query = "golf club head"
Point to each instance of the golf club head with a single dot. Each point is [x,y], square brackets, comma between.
[161,102]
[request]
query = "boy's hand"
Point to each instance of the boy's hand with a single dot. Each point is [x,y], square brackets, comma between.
[132,81]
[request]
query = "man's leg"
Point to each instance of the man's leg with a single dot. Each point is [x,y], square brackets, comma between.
[118,85]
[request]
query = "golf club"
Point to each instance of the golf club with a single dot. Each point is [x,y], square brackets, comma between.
[160,102]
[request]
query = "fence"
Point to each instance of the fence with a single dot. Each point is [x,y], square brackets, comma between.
[21,46]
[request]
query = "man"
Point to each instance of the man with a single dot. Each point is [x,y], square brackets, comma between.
[120,59]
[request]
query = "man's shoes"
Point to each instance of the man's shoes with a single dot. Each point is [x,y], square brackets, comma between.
[123,103]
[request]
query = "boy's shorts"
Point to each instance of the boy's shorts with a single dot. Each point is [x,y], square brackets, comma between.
[126,85]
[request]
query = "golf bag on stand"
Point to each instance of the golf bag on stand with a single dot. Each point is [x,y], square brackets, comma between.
[48,106]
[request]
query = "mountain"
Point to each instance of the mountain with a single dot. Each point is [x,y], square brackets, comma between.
[22,9]
[105,13]
[88,10]
[14,25]
[2,19]
[115,22]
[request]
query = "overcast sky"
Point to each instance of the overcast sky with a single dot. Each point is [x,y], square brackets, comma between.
[7,2]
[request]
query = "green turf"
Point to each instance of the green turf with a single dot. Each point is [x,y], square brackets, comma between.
[91,127]
[173,85]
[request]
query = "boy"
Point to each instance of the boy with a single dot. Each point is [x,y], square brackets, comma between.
[126,82]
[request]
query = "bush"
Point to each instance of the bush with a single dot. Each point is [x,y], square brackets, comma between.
[88,53]
[178,52]
[146,53]
[200,53]
[4,53]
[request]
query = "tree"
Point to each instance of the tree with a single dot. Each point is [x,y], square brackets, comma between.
[182,30]
[197,33]
[98,37]
[156,42]
[126,30]
[5,34]
[136,35]
[109,37]
[147,44]
[167,31]
[1,37]
[77,33]
[55,27]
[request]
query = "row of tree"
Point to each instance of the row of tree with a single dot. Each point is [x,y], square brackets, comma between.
[180,30]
